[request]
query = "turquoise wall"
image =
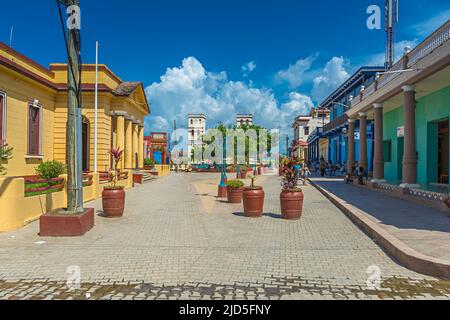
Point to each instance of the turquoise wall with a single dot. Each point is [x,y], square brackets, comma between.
[429,110]
[391,121]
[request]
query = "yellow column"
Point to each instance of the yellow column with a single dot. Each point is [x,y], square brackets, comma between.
[128,144]
[120,134]
[141,146]
[135,144]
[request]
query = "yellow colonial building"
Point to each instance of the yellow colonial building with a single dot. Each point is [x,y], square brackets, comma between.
[33,121]
[34,114]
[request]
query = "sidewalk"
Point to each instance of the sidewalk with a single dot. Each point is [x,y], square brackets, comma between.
[417,236]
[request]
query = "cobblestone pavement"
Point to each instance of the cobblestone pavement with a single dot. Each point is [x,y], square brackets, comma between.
[176,241]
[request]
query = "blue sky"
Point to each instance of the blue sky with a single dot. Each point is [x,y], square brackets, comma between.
[275,58]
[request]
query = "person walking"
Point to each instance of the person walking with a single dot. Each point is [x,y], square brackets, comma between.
[305,173]
[323,167]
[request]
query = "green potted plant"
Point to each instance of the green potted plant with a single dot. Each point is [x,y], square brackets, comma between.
[113,196]
[149,164]
[244,171]
[253,198]
[291,197]
[235,191]
[5,155]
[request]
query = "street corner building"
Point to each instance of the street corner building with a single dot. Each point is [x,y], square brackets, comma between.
[33,121]
[409,107]
[305,127]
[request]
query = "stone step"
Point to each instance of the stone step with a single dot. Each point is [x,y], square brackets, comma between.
[146,177]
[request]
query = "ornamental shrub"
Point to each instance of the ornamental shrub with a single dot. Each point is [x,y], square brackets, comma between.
[148,162]
[50,169]
[235,184]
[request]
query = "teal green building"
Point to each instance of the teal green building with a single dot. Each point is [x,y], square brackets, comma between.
[409,106]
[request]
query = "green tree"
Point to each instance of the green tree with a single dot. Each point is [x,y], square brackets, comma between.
[222,128]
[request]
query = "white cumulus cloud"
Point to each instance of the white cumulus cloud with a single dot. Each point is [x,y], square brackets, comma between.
[248,68]
[294,75]
[190,88]
[329,79]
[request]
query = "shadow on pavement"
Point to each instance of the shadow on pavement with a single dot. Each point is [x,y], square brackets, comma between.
[390,211]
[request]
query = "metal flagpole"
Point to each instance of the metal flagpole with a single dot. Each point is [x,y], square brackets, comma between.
[96,110]
[11,37]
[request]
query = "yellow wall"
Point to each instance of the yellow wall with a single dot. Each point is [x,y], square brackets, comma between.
[16,58]
[88,111]
[37,82]
[163,170]
[20,89]
[18,210]
[88,75]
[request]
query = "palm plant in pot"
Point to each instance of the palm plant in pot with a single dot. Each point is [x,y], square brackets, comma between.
[235,190]
[291,197]
[113,196]
[253,197]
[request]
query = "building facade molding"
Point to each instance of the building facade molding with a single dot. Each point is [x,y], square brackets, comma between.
[378,105]
[408,88]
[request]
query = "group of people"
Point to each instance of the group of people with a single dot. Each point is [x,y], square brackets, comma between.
[303,171]
[323,168]
[359,173]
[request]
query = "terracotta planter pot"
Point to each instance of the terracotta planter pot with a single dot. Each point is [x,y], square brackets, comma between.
[113,202]
[234,195]
[244,175]
[253,202]
[291,205]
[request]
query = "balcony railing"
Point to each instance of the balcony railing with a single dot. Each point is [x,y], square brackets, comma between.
[316,133]
[336,123]
[434,41]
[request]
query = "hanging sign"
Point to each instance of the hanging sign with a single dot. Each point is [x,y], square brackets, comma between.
[400,132]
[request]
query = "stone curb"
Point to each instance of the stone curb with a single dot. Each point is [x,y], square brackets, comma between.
[405,255]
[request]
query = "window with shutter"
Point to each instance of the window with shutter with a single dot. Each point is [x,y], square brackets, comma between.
[34,114]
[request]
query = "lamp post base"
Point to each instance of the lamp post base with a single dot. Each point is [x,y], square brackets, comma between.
[222,192]
[55,224]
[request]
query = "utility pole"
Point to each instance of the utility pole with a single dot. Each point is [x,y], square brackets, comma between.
[74,121]
[391,21]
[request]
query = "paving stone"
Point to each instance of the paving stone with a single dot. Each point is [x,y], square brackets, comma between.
[173,243]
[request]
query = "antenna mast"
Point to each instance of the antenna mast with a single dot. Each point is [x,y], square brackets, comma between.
[391,22]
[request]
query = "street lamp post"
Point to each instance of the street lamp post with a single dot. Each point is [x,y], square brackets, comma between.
[222,192]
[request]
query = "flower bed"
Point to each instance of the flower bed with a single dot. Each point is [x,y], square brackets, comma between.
[35,186]
[88,179]
[105,177]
